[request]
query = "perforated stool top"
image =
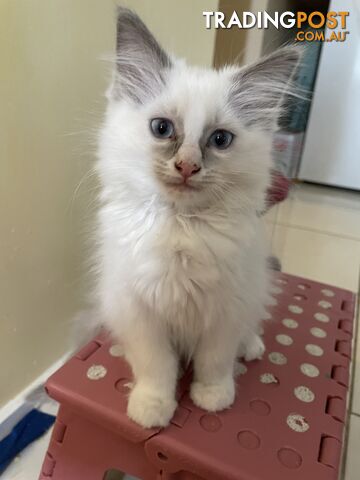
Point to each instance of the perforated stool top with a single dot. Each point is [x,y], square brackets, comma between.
[290,410]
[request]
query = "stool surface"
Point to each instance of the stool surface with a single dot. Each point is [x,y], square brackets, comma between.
[290,411]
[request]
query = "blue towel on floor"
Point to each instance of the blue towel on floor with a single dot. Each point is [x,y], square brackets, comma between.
[31,427]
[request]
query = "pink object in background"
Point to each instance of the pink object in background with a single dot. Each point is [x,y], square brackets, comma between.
[286,152]
[278,190]
[288,420]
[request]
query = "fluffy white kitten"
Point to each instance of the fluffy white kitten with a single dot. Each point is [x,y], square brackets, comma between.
[184,162]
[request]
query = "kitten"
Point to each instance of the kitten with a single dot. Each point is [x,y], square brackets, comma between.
[184,161]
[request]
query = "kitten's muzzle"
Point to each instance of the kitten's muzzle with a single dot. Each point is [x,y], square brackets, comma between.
[187,169]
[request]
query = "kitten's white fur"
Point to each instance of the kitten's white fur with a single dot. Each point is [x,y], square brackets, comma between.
[182,274]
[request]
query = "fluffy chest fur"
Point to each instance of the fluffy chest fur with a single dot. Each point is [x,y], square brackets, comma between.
[176,264]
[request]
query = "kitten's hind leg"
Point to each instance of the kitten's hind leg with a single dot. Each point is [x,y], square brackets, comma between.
[252,348]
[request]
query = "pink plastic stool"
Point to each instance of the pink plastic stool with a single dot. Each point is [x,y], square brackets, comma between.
[288,420]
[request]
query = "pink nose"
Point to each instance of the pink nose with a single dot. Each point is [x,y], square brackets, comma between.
[187,169]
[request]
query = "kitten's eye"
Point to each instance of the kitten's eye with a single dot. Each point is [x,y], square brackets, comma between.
[221,139]
[162,128]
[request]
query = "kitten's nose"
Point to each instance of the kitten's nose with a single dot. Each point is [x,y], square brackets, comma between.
[187,169]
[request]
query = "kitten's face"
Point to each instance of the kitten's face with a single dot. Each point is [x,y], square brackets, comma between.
[195,137]
[199,150]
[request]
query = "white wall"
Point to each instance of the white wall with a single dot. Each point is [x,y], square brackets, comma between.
[51,98]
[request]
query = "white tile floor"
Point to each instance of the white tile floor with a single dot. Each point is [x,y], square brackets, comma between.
[316,234]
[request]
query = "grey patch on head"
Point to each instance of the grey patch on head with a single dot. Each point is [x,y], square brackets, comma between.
[176,145]
[212,125]
[163,152]
[258,90]
[140,61]
[168,148]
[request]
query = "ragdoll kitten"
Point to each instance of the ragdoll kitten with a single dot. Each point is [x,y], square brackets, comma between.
[184,162]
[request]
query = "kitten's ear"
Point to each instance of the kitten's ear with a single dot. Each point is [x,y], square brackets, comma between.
[257,91]
[140,61]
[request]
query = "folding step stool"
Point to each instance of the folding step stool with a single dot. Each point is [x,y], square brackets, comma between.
[288,420]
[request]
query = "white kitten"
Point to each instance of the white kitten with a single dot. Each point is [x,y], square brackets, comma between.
[184,162]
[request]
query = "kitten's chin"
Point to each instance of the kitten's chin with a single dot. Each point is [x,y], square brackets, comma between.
[177,186]
[182,187]
[183,192]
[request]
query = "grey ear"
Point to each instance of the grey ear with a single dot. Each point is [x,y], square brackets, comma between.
[257,92]
[140,61]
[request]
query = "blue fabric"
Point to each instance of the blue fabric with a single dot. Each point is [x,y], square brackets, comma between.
[31,427]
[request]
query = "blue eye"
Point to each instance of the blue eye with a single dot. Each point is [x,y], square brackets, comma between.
[221,139]
[162,128]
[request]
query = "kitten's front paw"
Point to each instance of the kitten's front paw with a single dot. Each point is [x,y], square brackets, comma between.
[254,349]
[213,397]
[150,409]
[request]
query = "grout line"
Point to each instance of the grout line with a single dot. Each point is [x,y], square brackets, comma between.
[356,349]
[314,230]
[353,379]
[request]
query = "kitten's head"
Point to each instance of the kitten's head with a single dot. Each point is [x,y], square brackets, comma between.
[191,137]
